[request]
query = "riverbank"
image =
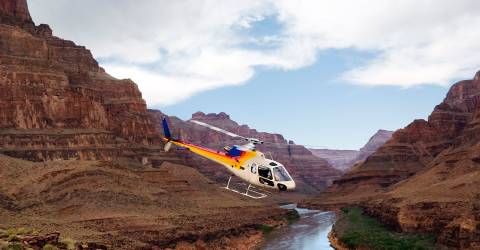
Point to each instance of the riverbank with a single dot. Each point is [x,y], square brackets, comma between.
[356,230]
[335,242]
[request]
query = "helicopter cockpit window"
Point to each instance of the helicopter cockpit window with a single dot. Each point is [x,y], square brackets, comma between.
[273,164]
[265,172]
[254,168]
[281,174]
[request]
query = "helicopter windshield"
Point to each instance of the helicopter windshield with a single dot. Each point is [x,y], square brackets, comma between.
[281,174]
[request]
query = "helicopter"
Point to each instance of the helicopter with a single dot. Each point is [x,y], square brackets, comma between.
[244,161]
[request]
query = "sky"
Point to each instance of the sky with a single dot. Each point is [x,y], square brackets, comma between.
[322,73]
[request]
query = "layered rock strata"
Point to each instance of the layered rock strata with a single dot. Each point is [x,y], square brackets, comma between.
[121,205]
[426,178]
[57,103]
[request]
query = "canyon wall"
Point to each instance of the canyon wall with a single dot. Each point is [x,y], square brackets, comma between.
[343,160]
[57,103]
[427,177]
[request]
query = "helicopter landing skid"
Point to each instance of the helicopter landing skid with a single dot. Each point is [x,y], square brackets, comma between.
[249,192]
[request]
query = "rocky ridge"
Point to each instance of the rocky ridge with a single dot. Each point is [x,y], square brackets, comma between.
[425,179]
[58,103]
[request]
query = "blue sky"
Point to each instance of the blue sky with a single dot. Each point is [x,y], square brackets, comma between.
[313,107]
[320,72]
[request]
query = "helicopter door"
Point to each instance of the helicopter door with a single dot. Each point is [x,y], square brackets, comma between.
[265,176]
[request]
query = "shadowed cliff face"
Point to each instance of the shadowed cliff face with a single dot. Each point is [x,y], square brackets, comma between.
[311,173]
[426,177]
[57,103]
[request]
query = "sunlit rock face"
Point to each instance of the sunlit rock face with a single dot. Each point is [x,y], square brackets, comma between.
[17,9]
[57,103]
[412,148]
[426,178]
[312,173]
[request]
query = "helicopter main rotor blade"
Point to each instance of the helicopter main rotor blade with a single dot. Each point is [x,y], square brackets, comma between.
[218,129]
[251,140]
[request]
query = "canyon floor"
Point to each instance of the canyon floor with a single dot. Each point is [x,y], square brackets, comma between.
[127,206]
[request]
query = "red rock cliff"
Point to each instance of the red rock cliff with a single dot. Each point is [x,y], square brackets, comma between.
[16,9]
[57,102]
[427,177]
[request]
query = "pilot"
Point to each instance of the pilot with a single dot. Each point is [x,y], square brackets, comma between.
[277,177]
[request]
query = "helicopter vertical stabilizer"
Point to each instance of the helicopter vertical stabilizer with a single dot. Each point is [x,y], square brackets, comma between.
[167,134]
[166,130]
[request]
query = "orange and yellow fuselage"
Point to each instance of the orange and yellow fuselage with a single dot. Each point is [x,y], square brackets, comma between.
[233,162]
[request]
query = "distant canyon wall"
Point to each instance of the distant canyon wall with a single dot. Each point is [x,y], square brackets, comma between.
[343,160]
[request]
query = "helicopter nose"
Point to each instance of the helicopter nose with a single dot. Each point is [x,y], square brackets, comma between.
[287,185]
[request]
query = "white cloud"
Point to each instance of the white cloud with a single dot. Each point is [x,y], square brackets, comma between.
[174,49]
[164,89]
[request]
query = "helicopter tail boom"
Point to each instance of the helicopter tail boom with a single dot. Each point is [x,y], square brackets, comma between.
[234,161]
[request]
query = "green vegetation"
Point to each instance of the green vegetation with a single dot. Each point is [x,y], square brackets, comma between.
[355,229]
[11,239]
[24,231]
[292,216]
[265,228]
[13,246]
[68,243]
[49,247]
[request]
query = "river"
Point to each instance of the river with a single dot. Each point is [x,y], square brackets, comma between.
[310,232]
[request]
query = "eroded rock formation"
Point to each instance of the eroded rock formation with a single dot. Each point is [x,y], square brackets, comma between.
[57,103]
[426,178]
